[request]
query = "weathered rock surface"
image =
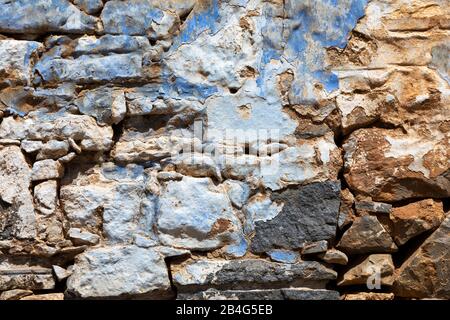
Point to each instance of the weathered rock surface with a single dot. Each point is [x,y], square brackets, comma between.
[369,296]
[307,162]
[375,269]
[238,192]
[346,211]
[48,296]
[366,235]
[53,149]
[413,219]
[315,247]
[89,6]
[269,294]
[334,256]
[370,207]
[46,197]
[42,16]
[17,215]
[106,105]
[121,271]
[224,140]
[79,237]
[283,256]
[195,214]
[248,274]
[24,274]
[426,272]
[308,213]
[389,165]
[61,273]
[139,147]
[15,294]
[92,69]
[48,126]
[111,201]
[17,60]
[46,170]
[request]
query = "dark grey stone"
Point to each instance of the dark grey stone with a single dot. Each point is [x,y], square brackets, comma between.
[194,275]
[202,274]
[310,294]
[266,272]
[309,214]
[269,294]
[373,207]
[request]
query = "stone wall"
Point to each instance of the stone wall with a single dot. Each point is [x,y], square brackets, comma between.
[234,149]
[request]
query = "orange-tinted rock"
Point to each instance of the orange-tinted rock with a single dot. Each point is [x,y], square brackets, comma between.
[48,296]
[393,77]
[389,165]
[426,273]
[369,296]
[415,218]
[346,212]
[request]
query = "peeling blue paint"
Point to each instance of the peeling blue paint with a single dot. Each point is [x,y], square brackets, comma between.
[182,88]
[305,30]
[283,256]
[199,22]
[237,250]
[31,48]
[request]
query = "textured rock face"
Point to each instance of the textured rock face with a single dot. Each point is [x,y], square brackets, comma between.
[18,219]
[229,149]
[24,273]
[366,235]
[111,203]
[361,273]
[194,214]
[248,273]
[17,60]
[270,294]
[389,165]
[426,272]
[412,220]
[46,16]
[119,271]
[308,214]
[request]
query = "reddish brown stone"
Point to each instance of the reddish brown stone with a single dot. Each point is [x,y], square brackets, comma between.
[366,235]
[389,165]
[413,219]
[426,273]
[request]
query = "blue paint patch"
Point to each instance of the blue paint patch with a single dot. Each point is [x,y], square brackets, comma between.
[186,89]
[15,111]
[237,250]
[283,256]
[344,24]
[181,88]
[306,31]
[329,80]
[199,22]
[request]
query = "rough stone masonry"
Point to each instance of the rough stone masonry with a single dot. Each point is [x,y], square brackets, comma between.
[224,149]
